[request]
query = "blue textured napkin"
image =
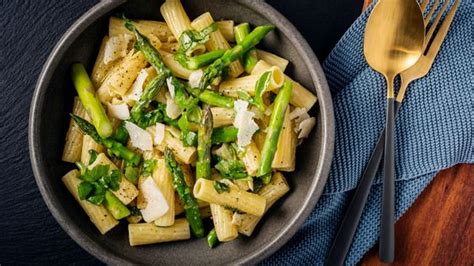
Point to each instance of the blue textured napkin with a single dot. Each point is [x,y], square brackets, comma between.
[434,131]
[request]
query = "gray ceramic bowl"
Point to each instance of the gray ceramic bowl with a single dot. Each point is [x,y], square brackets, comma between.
[53,99]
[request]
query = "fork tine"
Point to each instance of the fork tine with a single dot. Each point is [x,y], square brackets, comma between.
[423,5]
[433,26]
[431,12]
[442,32]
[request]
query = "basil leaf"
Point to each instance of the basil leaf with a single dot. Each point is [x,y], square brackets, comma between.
[231,169]
[84,189]
[221,187]
[93,156]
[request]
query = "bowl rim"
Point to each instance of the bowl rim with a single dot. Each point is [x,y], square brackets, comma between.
[327,127]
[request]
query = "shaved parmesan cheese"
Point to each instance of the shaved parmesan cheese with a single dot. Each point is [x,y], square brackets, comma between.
[116,47]
[171,87]
[119,111]
[172,109]
[159,133]
[244,123]
[195,78]
[300,119]
[156,205]
[134,94]
[305,127]
[139,137]
[297,112]
[269,110]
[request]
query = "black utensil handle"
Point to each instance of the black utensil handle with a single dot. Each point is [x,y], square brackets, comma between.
[345,234]
[387,228]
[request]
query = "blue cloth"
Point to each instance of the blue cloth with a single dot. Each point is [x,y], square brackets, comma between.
[434,131]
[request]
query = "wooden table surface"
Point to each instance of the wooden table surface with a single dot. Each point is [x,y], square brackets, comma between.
[439,227]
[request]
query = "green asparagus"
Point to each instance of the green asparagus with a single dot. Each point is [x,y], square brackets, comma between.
[274,128]
[212,239]
[211,97]
[149,51]
[150,92]
[199,61]
[220,66]
[121,133]
[114,146]
[115,206]
[224,135]
[203,164]
[191,207]
[250,58]
[89,100]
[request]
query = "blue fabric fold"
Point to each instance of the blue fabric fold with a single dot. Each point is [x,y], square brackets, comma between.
[434,131]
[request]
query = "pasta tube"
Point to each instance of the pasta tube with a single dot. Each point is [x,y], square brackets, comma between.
[300,96]
[100,217]
[147,27]
[185,154]
[100,69]
[232,87]
[216,41]
[127,191]
[88,144]
[73,145]
[144,234]
[121,77]
[226,27]
[271,192]
[222,116]
[272,59]
[176,68]
[251,158]
[285,154]
[235,198]
[222,219]
[176,18]
[164,182]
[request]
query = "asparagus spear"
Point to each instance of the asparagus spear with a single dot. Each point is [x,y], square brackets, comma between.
[212,239]
[115,206]
[199,61]
[220,66]
[115,147]
[203,164]
[121,134]
[211,97]
[224,135]
[89,100]
[274,127]
[191,207]
[149,51]
[149,94]
[250,58]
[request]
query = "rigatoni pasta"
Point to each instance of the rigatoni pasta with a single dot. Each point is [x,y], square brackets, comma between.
[146,233]
[179,132]
[99,216]
[234,198]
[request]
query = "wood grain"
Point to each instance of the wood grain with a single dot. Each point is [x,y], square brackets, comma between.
[439,228]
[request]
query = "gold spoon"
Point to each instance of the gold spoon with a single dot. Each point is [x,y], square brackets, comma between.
[393,42]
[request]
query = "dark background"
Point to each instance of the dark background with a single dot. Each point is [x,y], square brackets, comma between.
[30,29]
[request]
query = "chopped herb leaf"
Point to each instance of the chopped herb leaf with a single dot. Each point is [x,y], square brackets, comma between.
[221,187]
[84,189]
[148,167]
[93,156]
[231,169]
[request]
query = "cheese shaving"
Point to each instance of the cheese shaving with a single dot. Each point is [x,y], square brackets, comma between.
[139,137]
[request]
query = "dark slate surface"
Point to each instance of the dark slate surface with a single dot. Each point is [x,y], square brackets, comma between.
[30,29]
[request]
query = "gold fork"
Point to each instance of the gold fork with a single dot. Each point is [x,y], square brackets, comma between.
[342,241]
